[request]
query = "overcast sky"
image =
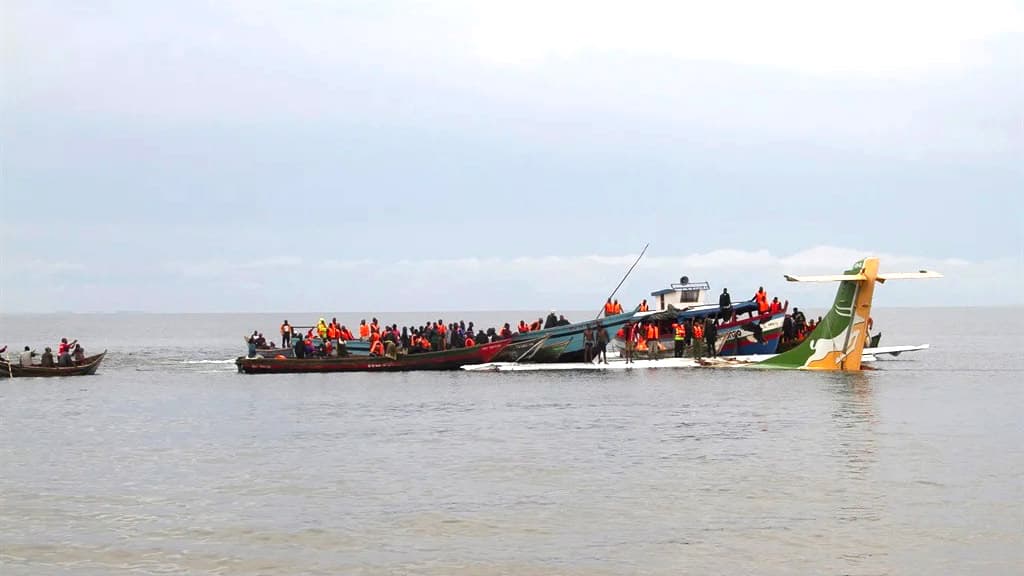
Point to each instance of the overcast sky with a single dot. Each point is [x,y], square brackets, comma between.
[396,156]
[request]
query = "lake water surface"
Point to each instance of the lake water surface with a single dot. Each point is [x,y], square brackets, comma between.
[168,461]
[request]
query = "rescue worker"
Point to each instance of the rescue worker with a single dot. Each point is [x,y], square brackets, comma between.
[679,338]
[609,308]
[364,330]
[698,339]
[286,335]
[761,297]
[652,341]
[711,336]
[775,307]
[321,329]
[632,332]
[616,307]
[643,306]
[602,344]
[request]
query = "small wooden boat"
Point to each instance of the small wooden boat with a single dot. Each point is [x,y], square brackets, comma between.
[86,368]
[452,359]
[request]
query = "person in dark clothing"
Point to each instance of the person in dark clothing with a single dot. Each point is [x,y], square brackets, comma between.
[788,329]
[300,348]
[602,344]
[562,321]
[46,360]
[688,338]
[551,321]
[481,337]
[711,336]
[799,321]
[725,304]
[588,345]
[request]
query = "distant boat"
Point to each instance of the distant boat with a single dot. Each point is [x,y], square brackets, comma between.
[86,368]
[452,359]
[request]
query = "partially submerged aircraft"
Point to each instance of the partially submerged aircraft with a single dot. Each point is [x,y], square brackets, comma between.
[837,342]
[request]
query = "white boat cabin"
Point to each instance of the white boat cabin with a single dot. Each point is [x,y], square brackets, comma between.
[684,294]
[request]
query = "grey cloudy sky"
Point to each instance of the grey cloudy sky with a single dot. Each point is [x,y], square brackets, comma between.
[314,155]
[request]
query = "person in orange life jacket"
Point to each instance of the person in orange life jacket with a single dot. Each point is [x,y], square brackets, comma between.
[629,336]
[470,342]
[643,306]
[523,328]
[762,301]
[506,331]
[286,335]
[775,307]
[534,326]
[652,341]
[617,307]
[609,308]
[376,348]
[711,336]
[364,330]
[698,338]
[678,338]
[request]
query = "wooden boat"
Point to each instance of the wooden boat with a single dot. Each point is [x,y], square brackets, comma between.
[452,359]
[86,368]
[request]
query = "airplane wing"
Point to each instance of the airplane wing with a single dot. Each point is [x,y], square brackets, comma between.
[908,275]
[828,278]
[893,350]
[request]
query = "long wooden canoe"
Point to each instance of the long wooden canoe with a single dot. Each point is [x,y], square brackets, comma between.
[452,359]
[86,368]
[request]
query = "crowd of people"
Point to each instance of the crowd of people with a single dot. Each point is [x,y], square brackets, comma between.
[68,354]
[329,338]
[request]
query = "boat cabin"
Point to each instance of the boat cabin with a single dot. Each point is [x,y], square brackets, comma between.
[681,295]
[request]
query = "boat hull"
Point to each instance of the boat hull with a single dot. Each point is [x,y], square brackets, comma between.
[564,343]
[88,367]
[452,359]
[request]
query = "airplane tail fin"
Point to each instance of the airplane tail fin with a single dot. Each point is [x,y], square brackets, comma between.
[837,342]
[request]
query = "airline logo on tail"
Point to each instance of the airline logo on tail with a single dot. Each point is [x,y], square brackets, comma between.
[838,340]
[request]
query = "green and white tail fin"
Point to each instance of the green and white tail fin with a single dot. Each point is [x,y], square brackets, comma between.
[837,342]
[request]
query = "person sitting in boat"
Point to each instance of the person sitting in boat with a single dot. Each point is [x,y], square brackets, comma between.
[46,360]
[261,342]
[551,321]
[523,327]
[562,320]
[376,348]
[299,346]
[643,306]
[26,357]
[79,354]
[506,331]
[481,337]
[775,306]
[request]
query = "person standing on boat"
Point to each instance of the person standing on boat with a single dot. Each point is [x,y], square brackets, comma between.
[725,303]
[711,336]
[652,341]
[688,336]
[609,308]
[551,321]
[632,334]
[761,297]
[64,352]
[588,344]
[286,335]
[679,338]
[643,306]
[602,344]
[79,355]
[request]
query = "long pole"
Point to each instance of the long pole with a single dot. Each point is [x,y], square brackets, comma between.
[624,277]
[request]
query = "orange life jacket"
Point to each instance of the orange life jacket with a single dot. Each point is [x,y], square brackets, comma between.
[643,307]
[652,332]
[469,342]
[698,331]
[364,331]
[609,308]
[377,348]
[617,308]
[680,331]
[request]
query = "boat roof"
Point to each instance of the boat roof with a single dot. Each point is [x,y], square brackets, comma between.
[688,287]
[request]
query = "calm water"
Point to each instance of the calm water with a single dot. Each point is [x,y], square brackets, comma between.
[169,461]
